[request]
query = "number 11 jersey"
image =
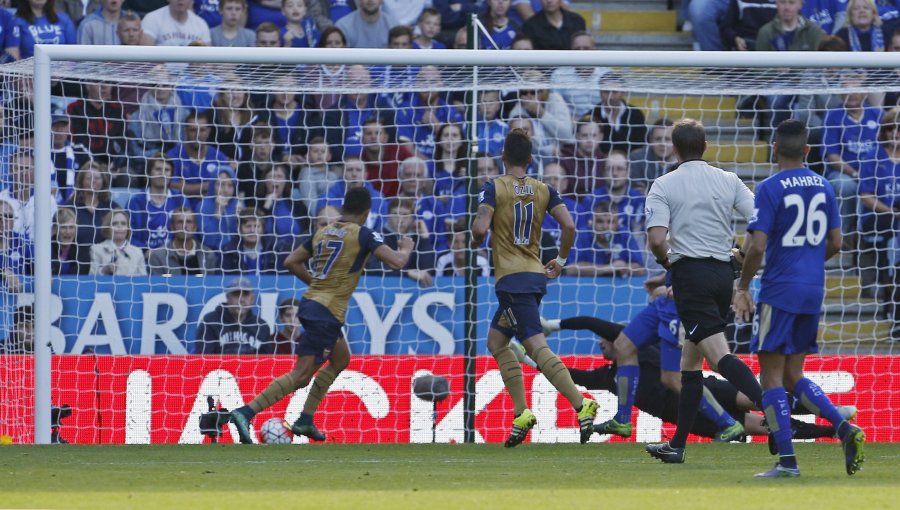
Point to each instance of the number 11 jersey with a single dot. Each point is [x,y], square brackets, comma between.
[796,209]
[519,206]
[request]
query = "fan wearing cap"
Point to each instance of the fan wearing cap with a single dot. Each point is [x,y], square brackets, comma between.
[67,157]
[233,327]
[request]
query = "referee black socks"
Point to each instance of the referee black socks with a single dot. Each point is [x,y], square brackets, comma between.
[688,404]
[739,375]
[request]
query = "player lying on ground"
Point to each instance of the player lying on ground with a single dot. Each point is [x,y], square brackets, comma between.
[657,324]
[797,226]
[338,253]
[656,399]
[513,207]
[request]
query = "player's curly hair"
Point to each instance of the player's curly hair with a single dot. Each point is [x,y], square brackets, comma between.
[357,201]
[517,148]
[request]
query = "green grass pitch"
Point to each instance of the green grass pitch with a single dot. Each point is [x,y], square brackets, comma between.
[370,477]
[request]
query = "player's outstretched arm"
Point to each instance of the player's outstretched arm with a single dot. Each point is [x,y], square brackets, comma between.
[296,264]
[481,224]
[395,259]
[756,247]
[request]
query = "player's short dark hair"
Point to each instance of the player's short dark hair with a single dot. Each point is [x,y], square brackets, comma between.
[198,115]
[517,148]
[604,207]
[791,136]
[357,201]
[400,31]
[689,138]
[405,203]
[831,43]
[247,215]
[429,11]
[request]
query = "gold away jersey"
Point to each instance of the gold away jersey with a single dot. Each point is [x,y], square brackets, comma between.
[519,206]
[339,252]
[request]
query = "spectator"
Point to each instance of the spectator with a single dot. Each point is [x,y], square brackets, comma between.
[705,17]
[327,215]
[354,176]
[91,201]
[300,30]
[864,30]
[401,221]
[287,116]
[433,216]
[584,160]
[20,194]
[253,252]
[16,251]
[209,11]
[282,216]
[232,32]
[455,13]
[316,175]
[21,335]
[830,15]
[233,328]
[490,130]
[291,330]
[328,78]
[100,27]
[789,30]
[548,112]
[218,212]
[116,255]
[624,126]
[65,255]
[552,28]
[605,250]
[382,158]
[461,39]
[850,139]
[522,42]
[320,11]
[268,35]
[879,221]
[501,29]
[366,27]
[582,100]
[176,25]
[233,121]
[655,158]
[892,97]
[156,126]
[450,163]
[343,123]
[265,11]
[420,113]
[627,201]
[67,157]
[39,22]
[98,122]
[150,210]
[429,26]
[7,23]
[195,160]
[742,22]
[262,158]
[453,262]
[555,176]
[390,76]
[130,32]
[182,254]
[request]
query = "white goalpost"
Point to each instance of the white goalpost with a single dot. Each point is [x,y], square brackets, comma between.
[662,84]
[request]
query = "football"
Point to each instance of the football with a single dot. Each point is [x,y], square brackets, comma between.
[274,431]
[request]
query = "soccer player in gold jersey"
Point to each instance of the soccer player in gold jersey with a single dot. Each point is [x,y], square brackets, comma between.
[513,206]
[337,255]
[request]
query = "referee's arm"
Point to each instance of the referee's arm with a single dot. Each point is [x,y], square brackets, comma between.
[657,213]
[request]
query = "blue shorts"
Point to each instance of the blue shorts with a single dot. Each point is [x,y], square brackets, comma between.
[658,323]
[321,330]
[775,330]
[518,315]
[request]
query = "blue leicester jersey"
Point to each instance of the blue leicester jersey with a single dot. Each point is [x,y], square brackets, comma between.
[823,12]
[796,209]
[150,222]
[882,179]
[855,142]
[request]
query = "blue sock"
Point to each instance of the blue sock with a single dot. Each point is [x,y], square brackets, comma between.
[711,408]
[778,417]
[246,411]
[626,385]
[813,398]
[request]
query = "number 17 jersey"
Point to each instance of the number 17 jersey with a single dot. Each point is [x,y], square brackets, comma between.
[796,209]
[519,206]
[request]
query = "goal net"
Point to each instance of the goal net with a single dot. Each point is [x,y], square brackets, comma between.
[178,190]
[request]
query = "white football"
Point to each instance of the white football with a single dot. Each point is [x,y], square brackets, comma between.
[273,431]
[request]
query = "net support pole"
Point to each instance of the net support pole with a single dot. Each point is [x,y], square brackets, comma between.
[42,226]
[470,351]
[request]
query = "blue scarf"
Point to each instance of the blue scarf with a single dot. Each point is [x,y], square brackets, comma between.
[875,34]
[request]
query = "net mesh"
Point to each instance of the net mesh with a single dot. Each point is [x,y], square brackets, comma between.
[172,180]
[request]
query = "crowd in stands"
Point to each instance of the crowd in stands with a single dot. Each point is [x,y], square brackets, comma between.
[191,176]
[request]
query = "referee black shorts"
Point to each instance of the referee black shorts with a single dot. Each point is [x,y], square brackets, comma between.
[702,290]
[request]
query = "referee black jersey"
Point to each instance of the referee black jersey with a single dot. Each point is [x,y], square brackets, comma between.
[696,203]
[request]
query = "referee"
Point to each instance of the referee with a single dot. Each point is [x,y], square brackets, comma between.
[694,205]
